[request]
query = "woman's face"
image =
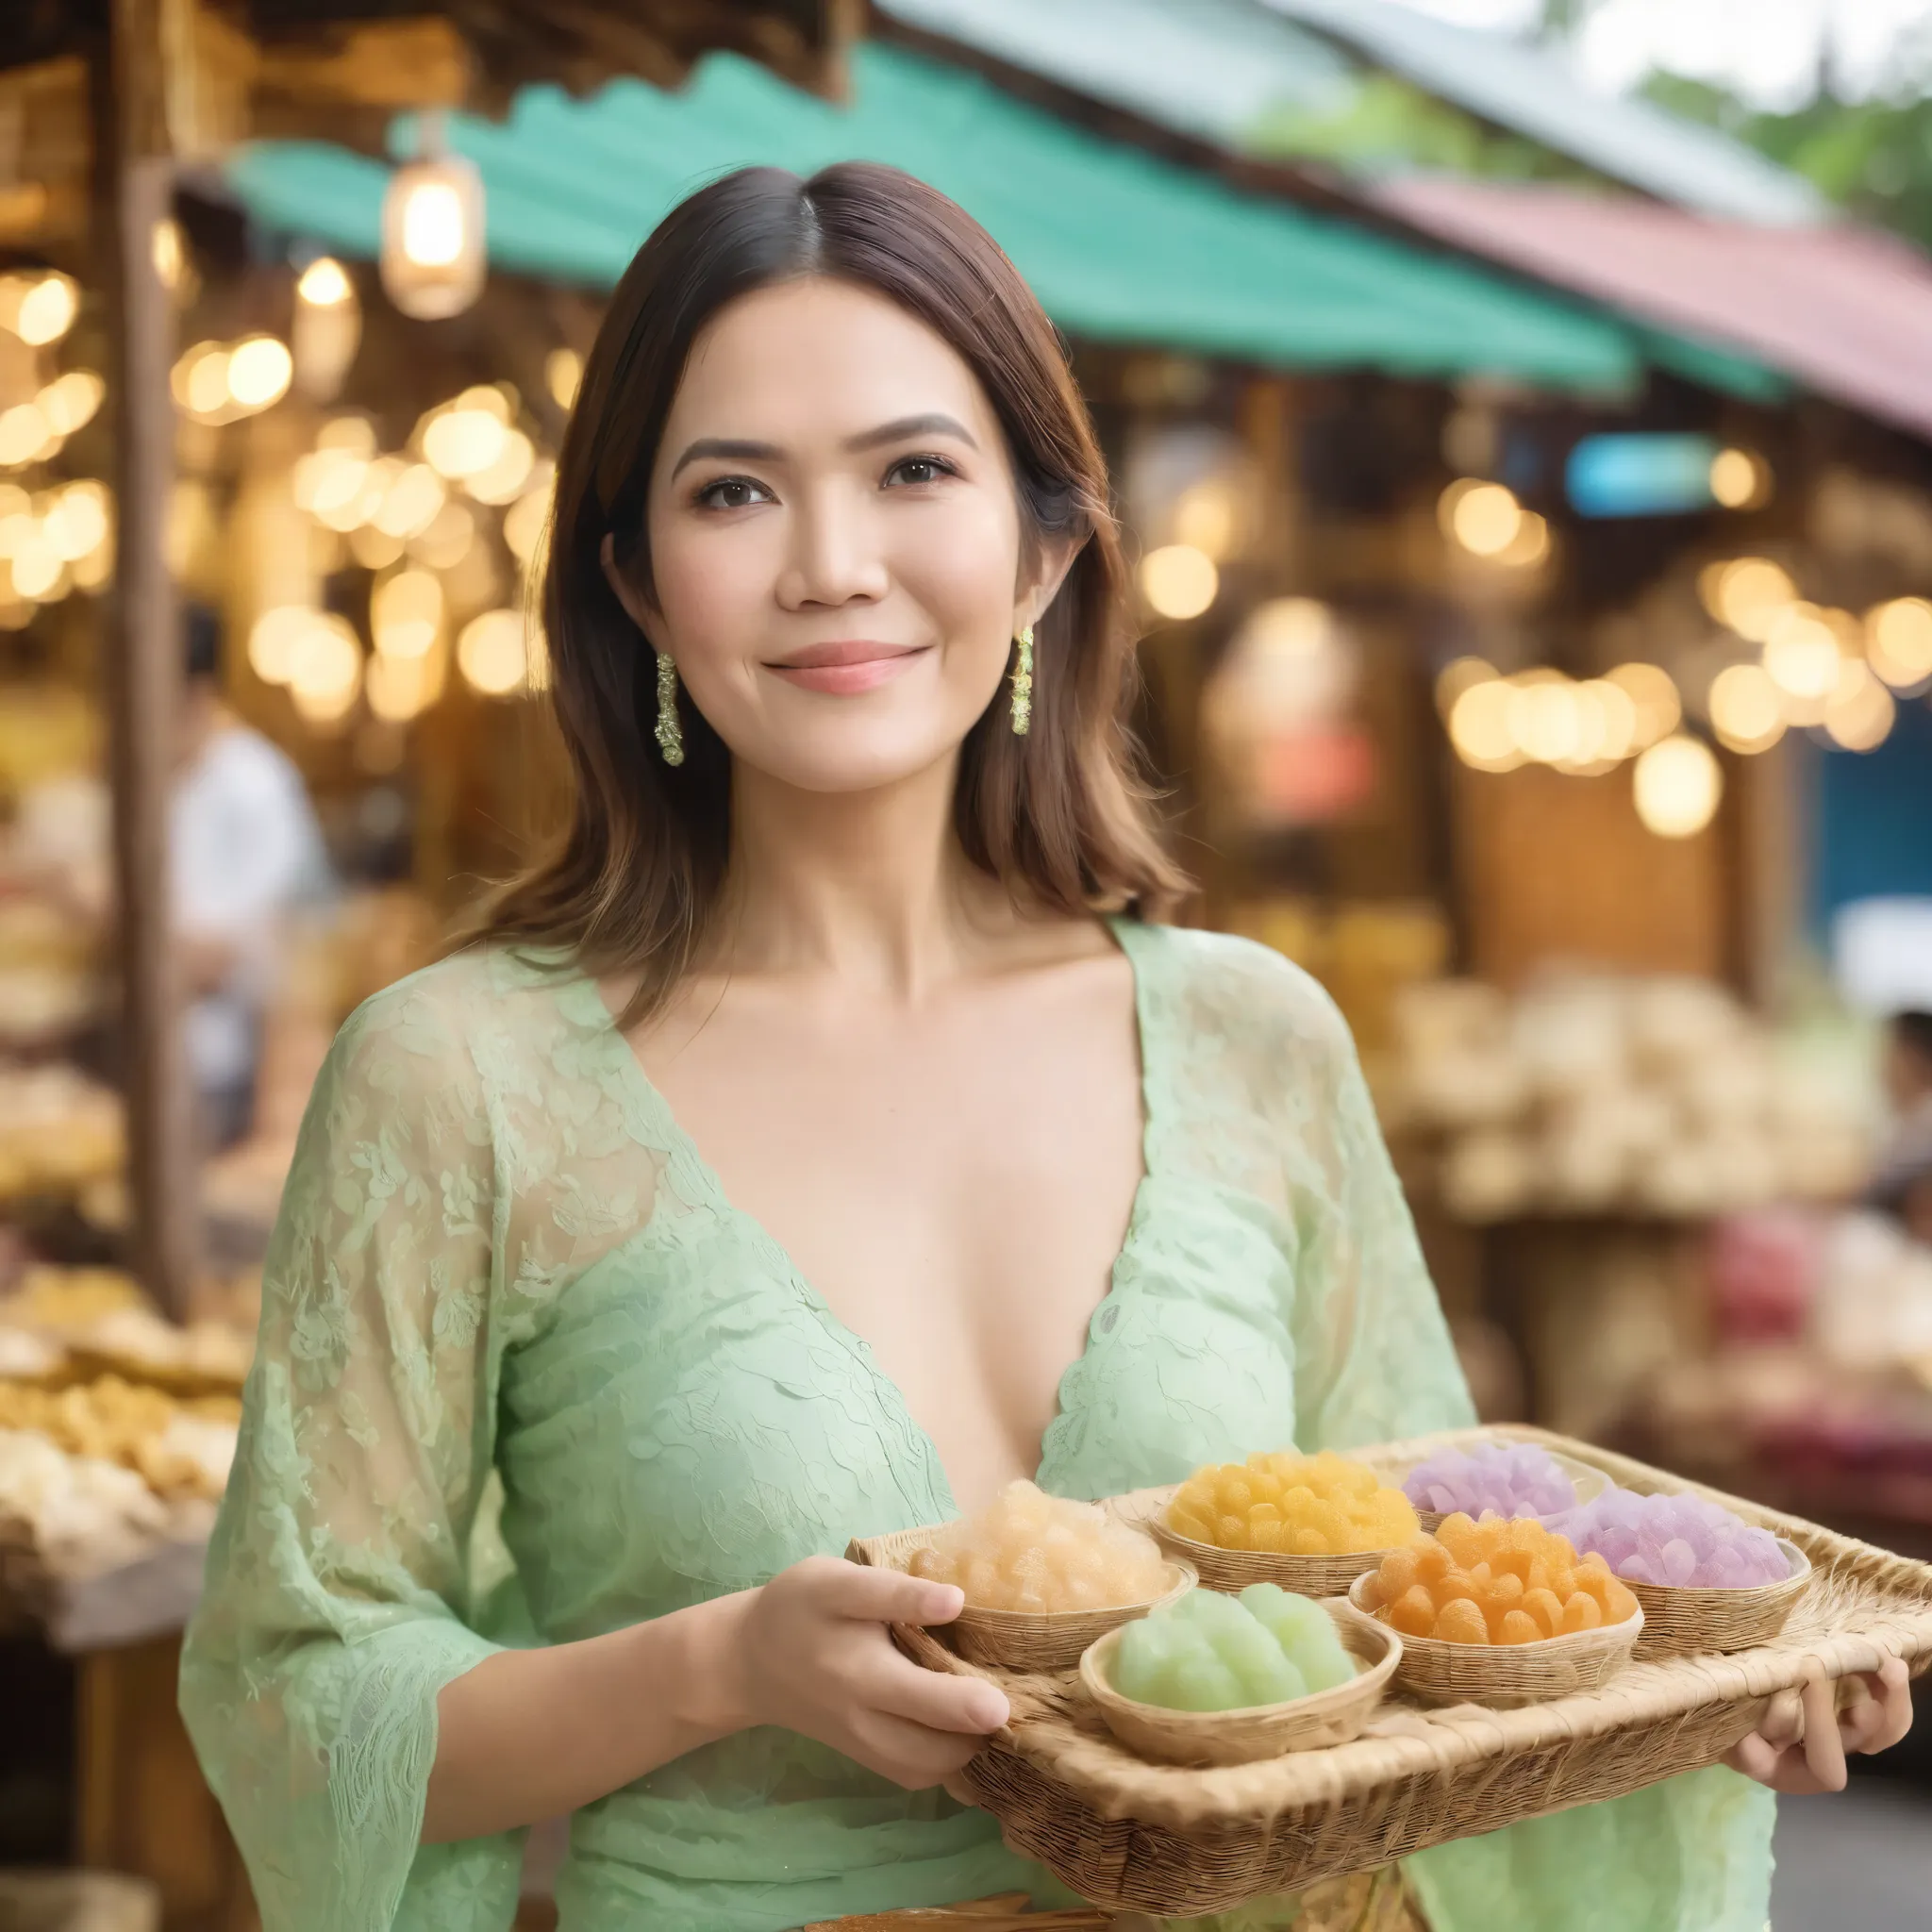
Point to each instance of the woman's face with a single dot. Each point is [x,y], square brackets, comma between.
[836,554]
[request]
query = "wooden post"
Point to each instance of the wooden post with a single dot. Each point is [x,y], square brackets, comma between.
[144,656]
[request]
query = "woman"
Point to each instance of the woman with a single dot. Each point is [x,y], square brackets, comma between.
[856,901]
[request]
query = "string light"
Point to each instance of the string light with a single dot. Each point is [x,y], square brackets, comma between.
[1747,595]
[1739,479]
[1179,581]
[491,652]
[505,476]
[1898,640]
[259,372]
[564,373]
[1746,709]
[1677,785]
[1481,726]
[1801,652]
[47,311]
[325,283]
[1860,712]
[26,436]
[406,614]
[1651,689]
[70,401]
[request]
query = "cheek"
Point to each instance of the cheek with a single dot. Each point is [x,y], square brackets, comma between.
[959,564]
[713,587]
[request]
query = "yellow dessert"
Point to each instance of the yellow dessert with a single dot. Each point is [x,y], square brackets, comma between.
[1291,1505]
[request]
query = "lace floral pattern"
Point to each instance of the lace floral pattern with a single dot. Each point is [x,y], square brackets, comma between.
[499,1259]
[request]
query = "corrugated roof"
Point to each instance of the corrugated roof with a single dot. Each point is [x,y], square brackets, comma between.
[1213,68]
[1209,68]
[1121,245]
[1526,88]
[1845,312]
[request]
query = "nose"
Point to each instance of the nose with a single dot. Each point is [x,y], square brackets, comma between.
[835,555]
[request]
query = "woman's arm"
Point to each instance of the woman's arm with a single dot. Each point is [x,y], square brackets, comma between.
[533,1734]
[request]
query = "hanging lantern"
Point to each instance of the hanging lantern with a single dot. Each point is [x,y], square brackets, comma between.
[328,329]
[432,232]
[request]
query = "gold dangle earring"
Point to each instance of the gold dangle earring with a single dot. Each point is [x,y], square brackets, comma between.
[1023,684]
[670,734]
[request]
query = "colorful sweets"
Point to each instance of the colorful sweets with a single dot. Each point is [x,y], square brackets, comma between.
[1684,1540]
[1293,1506]
[1208,1652]
[1495,1479]
[1494,1582]
[1029,1551]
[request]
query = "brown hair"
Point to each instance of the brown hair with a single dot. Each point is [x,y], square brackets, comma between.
[633,882]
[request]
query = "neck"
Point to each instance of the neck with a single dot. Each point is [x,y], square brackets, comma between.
[869,887]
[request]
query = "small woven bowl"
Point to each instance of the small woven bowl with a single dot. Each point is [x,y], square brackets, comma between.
[1202,1737]
[1507,1675]
[1021,1640]
[1232,1571]
[1693,1621]
[1588,1484]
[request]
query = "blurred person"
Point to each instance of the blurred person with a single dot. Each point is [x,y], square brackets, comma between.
[245,853]
[831,1130]
[1903,1185]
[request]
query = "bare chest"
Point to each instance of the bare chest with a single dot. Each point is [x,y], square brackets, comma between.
[955,1186]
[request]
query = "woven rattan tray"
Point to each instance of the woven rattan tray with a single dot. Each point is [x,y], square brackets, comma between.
[1132,1836]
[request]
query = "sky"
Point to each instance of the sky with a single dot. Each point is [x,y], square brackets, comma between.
[1766,50]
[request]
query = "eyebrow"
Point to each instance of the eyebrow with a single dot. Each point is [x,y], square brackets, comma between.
[732,449]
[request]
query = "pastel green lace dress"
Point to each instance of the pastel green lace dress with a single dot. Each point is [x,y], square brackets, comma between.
[500,1257]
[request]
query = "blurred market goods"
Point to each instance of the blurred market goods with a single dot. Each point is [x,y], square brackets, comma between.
[116,1427]
[60,1132]
[1593,1095]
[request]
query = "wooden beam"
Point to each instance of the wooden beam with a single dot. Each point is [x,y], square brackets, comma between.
[144,656]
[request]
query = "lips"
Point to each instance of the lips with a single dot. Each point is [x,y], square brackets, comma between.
[847,666]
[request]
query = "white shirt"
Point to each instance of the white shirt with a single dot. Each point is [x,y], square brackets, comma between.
[245,851]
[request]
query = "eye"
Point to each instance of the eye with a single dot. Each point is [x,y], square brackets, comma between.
[914,470]
[732,492]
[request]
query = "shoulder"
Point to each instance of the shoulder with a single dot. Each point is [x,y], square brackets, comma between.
[1214,983]
[472,1022]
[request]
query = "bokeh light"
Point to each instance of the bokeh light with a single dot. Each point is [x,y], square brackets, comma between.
[492,655]
[1898,641]
[1179,581]
[1746,710]
[1860,712]
[1677,785]
[1654,693]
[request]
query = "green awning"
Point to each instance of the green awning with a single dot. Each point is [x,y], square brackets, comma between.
[1120,245]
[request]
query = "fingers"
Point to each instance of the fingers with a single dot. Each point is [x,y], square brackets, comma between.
[885,1596]
[908,1754]
[1825,1751]
[1755,1756]
[965,1705]
[1784,1720]
[1883,1714]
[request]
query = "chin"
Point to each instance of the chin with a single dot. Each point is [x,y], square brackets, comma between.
[855,756]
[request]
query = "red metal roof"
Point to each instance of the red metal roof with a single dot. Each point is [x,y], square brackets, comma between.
[1843,311]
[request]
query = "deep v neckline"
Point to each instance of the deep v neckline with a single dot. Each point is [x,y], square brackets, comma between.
[702,1181]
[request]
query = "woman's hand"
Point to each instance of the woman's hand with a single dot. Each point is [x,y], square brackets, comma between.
[1801,1746]
[814,1656]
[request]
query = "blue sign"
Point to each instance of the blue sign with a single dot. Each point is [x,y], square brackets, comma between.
[1639,473]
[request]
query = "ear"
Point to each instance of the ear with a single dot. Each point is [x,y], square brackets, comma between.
[1041,575]
[637,607]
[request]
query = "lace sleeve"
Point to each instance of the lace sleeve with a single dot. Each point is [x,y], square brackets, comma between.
[1376,1353]
[338,1600]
